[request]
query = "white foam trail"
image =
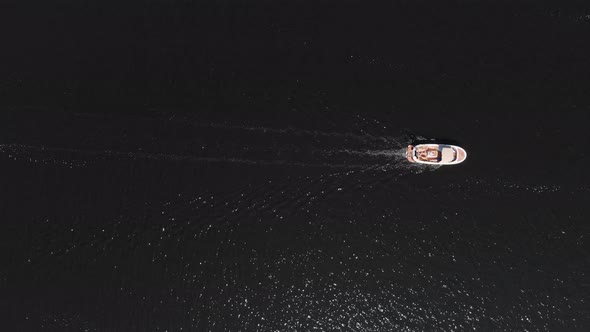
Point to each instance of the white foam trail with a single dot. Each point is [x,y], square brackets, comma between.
[364,137]
[18,151]
[390,158]
[371,153]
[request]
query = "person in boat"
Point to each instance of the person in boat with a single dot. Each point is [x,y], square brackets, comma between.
[422,155]
[426,153]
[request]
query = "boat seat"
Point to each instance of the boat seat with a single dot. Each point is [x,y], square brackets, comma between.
[448,155]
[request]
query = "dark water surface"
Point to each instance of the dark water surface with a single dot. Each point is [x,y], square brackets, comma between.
[225,166]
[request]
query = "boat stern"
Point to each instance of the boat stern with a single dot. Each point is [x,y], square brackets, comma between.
[409,153]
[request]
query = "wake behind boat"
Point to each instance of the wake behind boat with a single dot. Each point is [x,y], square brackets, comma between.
[436,154]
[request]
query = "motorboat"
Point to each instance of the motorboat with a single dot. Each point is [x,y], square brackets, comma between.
[436,154]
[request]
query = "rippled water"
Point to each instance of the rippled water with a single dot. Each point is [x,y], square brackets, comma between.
[272,229]
[240,166]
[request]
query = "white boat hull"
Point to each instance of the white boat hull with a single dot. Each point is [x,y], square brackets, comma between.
[436,154]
